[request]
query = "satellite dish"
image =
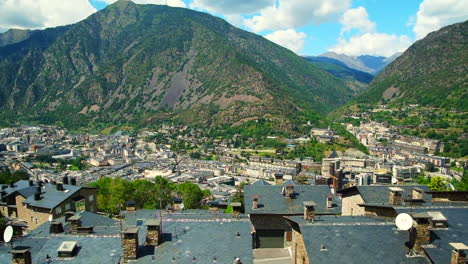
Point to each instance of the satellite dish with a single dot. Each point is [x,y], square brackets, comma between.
[8,234]
[51,218]
[404,221]
[182,206]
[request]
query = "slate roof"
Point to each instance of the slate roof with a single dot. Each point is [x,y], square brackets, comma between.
[457,231]
[103,246]
[272,201]
[260,182]
[51,197]
[18,186]
[355,240]
[378,194]
[195,234]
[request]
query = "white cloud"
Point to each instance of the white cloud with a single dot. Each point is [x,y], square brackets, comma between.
[435,14]
[356,18]
[289,39]
[230,7]
[377,44]
[174,3]
[42,13]
[296,13]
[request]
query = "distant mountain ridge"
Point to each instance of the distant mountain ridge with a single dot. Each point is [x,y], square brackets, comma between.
[364,63]
[141,63]
[432,72]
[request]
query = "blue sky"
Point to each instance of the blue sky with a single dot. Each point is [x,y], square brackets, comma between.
[307,27]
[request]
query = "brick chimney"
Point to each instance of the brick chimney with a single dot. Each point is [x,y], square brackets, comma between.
[458,253]
[131,206]
[395,197]
[255,202]
[417,194]
[153,234]
[56,227]
[309,211]
[278,178]
[236,208]
[21,255]
[75,223]
[177,204]
[330,200]
[130,243]
[420,234]
[288,191]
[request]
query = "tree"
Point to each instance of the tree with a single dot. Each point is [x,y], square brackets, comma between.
[437,183]
[302,179]
[191,194]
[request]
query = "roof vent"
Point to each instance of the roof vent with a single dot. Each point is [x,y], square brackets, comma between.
[323,248]
[438,220]
[56,228]
[67,249]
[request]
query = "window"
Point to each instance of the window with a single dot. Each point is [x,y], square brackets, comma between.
[139,222]
[67,206]
[58,210]
[91,198]
[80,205]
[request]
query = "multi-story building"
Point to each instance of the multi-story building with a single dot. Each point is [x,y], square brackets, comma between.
[38,202]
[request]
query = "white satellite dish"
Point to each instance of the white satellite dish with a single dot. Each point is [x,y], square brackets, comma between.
[8,234]
[51,218]
[182,206]
[404,221]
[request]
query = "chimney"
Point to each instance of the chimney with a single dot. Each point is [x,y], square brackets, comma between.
[288,191]
[255,202]
[31,183]
[73,181]
[420,233]
[395,197]
[130,243]
[278,178]
[458,253]
[68,215]
[65,180]
[37,196]
[153,233]
[236,208]
[21,255]
[417,194]
[59,187]
[75,223]
[177,204]
[56,227]
[330,200]
[309,211]
[131,206]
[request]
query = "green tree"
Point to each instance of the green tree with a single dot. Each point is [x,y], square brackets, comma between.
[437,183]
[191,194]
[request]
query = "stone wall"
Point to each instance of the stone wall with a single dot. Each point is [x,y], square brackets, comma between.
[130,247]
[380,211]
[450,196]
[350,204]
[298,249]
[458,257]
[152,235]
[420,235]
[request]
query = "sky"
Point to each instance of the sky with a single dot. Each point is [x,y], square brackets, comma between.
[307,27]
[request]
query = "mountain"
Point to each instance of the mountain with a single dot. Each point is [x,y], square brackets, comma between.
[364,63]
[433,71]
[142,63]
[354,79]
[13,36]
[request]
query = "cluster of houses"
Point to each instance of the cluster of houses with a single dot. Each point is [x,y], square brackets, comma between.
[311,223]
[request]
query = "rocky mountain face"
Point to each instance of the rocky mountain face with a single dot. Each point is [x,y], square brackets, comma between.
[433,72]
[141,63]
[364,63]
